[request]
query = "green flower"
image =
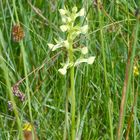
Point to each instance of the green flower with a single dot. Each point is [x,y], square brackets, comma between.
[89,60]
[72,30]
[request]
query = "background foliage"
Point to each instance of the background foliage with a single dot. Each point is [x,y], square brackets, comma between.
[40,20]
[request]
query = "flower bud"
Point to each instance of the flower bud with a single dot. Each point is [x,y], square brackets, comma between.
[84,50]
[74,9]
[66,43]
[62,12]
[64,19]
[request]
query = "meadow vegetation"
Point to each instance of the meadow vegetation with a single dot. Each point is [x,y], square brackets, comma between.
[42,83]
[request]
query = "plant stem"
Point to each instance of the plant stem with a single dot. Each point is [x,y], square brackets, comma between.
[72,91]
[73,102]
[25,68]
[103,47]
[127,81]
[8,85]
[66,128]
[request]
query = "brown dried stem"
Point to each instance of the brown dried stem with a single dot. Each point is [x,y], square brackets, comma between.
[127,80]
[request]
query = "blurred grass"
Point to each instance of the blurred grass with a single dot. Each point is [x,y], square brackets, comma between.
[46,89]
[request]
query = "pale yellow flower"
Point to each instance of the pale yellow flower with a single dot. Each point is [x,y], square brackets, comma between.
[64,28]
[62,12]
[74,9]
[84,50]
[91,60]
[81,12]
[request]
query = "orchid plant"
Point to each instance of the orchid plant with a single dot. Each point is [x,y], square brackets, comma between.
[72,31]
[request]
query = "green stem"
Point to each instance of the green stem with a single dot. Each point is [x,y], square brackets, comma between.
[8,84]
[105,68]
[25,68]
[73,102]
[72,91]
[66,127]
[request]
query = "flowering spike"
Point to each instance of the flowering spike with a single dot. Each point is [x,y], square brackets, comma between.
[68,19]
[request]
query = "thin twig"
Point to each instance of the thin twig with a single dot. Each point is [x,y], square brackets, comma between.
[54,58]
[38,12]
[127,80]
[124,91]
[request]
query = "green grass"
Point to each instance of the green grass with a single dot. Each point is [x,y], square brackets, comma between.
[113,31]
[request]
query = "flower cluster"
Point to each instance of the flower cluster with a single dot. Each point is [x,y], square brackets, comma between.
[72,30]
[17,33]
[17,93]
